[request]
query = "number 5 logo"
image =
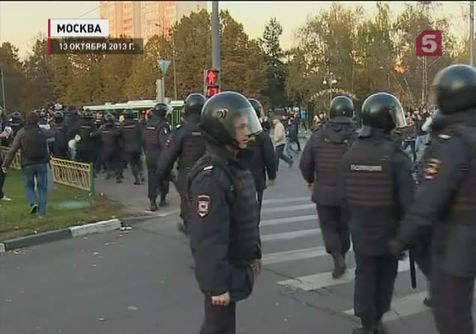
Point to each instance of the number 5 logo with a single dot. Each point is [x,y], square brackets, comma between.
[428,43]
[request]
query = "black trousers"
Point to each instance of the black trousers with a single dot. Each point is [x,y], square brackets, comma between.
[219,319]
[154,185]
[334,228]
[259,194]
[135,162]
[374,281]
[452,302]
[112,160]
[182,185]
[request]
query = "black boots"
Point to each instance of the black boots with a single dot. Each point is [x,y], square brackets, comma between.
[153,205]
[428,302]
[339,265]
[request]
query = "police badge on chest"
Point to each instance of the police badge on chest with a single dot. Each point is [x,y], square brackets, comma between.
[203,205]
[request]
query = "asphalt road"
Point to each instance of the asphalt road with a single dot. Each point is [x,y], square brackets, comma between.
[140,282]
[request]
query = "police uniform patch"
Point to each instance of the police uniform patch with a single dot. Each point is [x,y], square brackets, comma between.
[432,169]
[203,205]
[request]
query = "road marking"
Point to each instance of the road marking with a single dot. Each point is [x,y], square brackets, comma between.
[298,254]
[289,208]
[290,235]
[405,306]
[298,219]
[285,200]
[324,280]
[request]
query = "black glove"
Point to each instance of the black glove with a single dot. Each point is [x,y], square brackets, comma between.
[396,247]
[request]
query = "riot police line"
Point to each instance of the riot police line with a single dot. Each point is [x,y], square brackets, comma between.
[362,183]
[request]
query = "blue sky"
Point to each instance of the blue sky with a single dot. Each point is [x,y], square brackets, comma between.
[22,21]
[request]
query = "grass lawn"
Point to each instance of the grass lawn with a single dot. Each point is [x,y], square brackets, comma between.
[66,207]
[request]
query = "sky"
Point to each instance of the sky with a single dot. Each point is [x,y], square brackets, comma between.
[22,21]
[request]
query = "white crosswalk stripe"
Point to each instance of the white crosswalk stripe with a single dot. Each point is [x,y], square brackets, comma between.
[289,223]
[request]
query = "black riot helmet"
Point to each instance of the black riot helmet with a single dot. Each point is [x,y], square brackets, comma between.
[381,111]
[160,109]
[256,106]
[455,88]
[341,106]
[220,113]
[194,104]
[128,114]
[109,118]
[17,116]
[58,116]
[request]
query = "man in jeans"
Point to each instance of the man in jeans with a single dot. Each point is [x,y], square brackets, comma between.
[32,141]
[280,143]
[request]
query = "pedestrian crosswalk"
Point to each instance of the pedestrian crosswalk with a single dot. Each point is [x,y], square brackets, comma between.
[293,247]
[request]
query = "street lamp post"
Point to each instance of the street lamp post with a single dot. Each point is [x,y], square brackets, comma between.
[331,79]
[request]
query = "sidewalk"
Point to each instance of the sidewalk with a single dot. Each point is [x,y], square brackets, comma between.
[134,197]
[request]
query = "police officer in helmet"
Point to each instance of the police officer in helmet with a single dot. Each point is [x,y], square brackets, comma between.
[60,144]
[319,162]
[133,142]
[156,134]
[446,202]
[376,186]
[262,162]
[112,144]
[224,231]
[187,145]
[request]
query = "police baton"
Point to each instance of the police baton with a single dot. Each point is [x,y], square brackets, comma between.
[411,256]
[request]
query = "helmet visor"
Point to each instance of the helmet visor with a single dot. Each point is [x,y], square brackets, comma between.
[240,120]
[398,116]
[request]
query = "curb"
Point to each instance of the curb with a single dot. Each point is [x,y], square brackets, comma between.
[68,233]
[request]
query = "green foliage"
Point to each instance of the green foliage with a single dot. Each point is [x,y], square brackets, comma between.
[276,72]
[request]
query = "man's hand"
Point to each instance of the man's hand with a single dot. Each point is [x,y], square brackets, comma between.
[257,265]
[4,170]
[221,300]
[272,182]
[310,186]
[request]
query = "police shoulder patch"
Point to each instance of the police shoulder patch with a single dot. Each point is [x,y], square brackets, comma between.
[204,203]
[432,169]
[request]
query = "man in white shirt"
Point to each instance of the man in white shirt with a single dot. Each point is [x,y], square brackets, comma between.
[280,143]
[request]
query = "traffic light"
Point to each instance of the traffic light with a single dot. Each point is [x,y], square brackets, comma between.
[212,82]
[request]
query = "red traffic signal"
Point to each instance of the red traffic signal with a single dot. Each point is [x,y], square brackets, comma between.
[212,91]
[212,77]
[212,82]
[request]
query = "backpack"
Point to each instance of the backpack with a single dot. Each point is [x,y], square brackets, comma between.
[34,145]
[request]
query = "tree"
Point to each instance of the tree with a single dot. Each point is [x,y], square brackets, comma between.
[242,60]
[327,43]
[40,76]
[85,83]
[14,78]
[415,72]
[115,70]
[192,43]
[374,57]
[276,72]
